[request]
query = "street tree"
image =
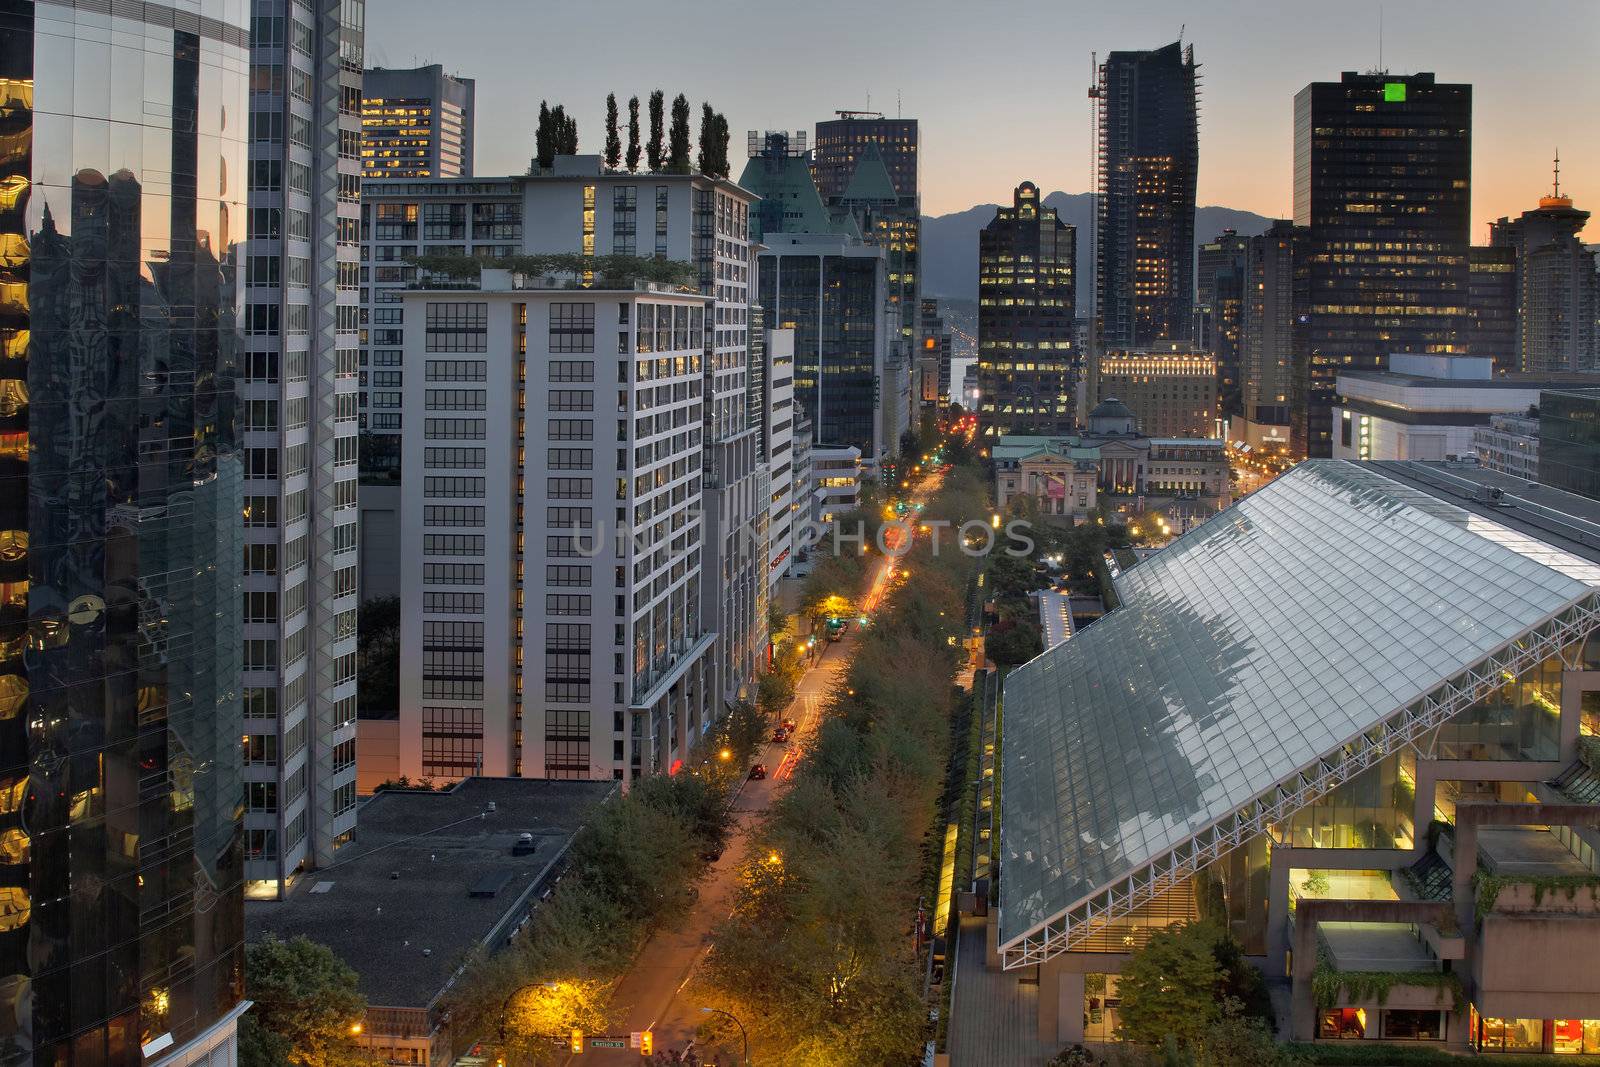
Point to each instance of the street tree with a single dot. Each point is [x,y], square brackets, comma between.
[1170,987]
[307,1007]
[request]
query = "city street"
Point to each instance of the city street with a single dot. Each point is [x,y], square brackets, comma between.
[647,998]
[652,995]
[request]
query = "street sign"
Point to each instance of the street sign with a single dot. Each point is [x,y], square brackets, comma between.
[608,1042]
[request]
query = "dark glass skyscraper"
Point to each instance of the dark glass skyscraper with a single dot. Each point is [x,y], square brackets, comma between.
[1492,305]
[1382,182]
[1028,368]
[121,205]
[841,143]
[1149,158]
[1219,312]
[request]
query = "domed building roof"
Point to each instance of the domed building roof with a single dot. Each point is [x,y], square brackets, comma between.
[1111,408]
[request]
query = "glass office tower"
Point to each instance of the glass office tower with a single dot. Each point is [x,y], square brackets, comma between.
[121,202]
[1382,184]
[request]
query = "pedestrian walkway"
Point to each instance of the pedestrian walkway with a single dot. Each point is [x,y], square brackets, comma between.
[994,1019]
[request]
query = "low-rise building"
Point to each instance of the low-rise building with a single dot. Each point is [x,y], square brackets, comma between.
[836,482]
[1350,719]
[1427,407]
[1510,445]
[1112,466]
[429,877]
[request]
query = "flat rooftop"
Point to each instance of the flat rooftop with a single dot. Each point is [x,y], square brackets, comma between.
[1520,380]
[397,904]
[1566,520]
[1523,850]
[1375,947]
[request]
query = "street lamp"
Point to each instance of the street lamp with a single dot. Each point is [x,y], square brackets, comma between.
[742,1032]
[725,755]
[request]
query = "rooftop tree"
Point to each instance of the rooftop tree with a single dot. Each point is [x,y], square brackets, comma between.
[678,138]
[613,140]
[633,134]
[655,148]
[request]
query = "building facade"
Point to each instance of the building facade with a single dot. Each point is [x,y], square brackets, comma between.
[784,522]
[299,392]
[1267,338]
[1492,305]
[417,123]
[1172,391]
[835,482]
[1556,287]
[1509,445]
[1112,467]
[933,356]
[1149,129]
[1379,276]
[1430,407]
[122,211]
[831,291]
[842,142]
[1569,440]
[1220,270]
[558,629]
[1028,366]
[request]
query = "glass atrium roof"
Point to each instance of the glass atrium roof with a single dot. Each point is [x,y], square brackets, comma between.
[1290,623]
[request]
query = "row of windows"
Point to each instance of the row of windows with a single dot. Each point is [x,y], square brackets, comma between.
[452,544]
[461,370]
[459,458]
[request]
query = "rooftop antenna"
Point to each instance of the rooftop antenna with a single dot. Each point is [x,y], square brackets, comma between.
[1380,38]
[897,104]
[1557,190]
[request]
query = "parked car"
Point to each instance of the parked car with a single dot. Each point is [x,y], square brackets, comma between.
[758,772]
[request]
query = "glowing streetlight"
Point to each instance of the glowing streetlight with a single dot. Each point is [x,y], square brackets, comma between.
[725,755]
[355,1029]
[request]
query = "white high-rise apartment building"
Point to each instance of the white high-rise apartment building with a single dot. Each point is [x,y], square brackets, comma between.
[684,217]
[784,523]
[298,427]
[552,518]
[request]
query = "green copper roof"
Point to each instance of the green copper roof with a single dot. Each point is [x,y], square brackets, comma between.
[790,201]
[871,179]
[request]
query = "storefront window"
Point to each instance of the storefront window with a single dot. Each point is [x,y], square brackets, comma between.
[1510,1035]
[1572,1036]
[1402,1025]
[1343,1022]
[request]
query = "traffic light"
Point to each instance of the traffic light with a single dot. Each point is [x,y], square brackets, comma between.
[577,1040]
[647,1043]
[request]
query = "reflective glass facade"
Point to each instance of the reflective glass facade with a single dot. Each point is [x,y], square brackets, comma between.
[1028,367]
[834,305]
[1305,615]
[1569,440]
[122,201]
[1382,182]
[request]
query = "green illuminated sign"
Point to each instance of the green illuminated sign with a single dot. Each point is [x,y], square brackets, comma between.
[1394,92]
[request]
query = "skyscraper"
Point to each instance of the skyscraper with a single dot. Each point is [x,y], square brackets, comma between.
[841,143]
[819,278]
[1379,275]
[933,357]
[1219,312]
[866,167]
[1028,368]
[1492,304]
[121,208]
[417,123]
[1149,158]
[1556,288]
[299,390]
[1266,338]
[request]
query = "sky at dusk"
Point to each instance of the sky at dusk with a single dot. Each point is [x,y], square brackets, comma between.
[1000,88]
